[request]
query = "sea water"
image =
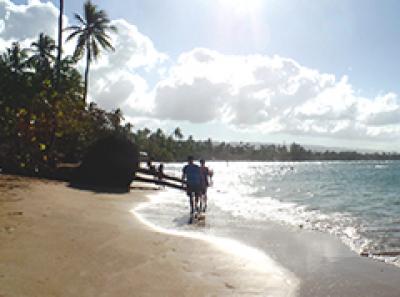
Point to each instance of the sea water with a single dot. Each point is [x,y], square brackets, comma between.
[358,201]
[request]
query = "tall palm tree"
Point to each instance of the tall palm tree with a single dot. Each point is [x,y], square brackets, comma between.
[92,34]
[43,55]
[59,46]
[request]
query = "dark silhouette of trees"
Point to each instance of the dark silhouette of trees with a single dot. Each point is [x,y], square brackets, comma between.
[15,58]
[92,35]
[43,56]
[40,125]
[166,148]
[178,133]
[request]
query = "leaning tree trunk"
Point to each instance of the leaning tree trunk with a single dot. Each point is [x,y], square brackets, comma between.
[88,55]
[60,28]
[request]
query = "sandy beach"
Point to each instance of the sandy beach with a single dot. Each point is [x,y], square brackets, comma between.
[59,241]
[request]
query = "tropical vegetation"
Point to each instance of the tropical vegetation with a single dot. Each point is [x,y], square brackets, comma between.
[45,120]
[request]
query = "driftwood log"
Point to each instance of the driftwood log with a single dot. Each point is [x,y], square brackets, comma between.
[380,254]
[149,176]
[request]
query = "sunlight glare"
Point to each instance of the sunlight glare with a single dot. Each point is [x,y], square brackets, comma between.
[242,7]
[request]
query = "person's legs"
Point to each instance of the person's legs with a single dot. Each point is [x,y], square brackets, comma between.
[205,200]
[201,201]
[194,192]
[191,202]
[197,198]
[202,192]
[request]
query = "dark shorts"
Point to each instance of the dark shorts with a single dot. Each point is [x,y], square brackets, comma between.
[193,188]
[203,189]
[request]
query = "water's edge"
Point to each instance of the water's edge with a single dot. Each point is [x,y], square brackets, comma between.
[256,259]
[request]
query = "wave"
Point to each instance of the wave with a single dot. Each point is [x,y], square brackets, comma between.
[347,200]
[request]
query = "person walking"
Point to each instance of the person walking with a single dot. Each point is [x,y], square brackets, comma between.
[191,175]
[206,179]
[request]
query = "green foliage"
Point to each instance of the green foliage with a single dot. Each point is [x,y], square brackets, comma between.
[40,125]
[43,56]
[44,119]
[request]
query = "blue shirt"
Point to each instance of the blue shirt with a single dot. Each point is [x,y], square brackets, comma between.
[192,173]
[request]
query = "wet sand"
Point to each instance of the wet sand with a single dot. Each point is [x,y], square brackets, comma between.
[324,265]
[59,241]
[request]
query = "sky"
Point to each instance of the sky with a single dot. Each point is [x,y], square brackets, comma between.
[313,72]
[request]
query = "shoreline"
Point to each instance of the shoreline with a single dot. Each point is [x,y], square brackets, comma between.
[245,255]
[58,241]
[323,264]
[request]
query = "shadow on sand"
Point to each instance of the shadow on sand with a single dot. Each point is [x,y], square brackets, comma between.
[99,189]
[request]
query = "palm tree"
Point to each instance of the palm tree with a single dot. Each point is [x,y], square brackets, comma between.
[43,53]
[15,58]
[13,77]
[59,46]
[178,133]
[92,34]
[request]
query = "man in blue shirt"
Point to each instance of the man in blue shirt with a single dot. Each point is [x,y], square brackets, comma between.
[191,174]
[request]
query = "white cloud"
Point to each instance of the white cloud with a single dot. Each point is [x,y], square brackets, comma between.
[255,93]
[114,80]
[24,23]
[181,101]
[271,94]
[20,22]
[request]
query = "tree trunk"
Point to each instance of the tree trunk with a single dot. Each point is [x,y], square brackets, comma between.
[88,58]
[60,29]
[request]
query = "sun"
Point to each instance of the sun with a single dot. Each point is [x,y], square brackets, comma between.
[242,7]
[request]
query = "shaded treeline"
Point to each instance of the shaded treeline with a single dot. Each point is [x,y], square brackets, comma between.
[41,125]
[44,117]
[173,147]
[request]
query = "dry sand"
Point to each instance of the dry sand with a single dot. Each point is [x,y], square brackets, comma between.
[59,241]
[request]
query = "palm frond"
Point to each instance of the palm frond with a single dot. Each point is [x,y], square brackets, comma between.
[113,28]
[73,34]
[70,28]
[104,42]
[80,47]
[79,19]
[95,49]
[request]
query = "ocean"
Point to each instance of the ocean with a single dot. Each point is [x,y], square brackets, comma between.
[357,202]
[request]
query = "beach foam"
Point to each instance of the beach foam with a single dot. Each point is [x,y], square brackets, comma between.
[350,200]
[275,279]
